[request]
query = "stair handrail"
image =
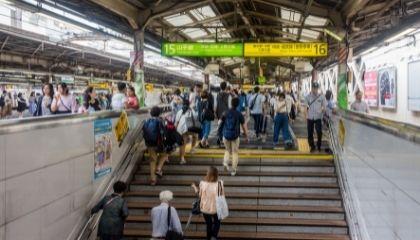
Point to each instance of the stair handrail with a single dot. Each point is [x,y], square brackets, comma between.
[129,156]
[350,209]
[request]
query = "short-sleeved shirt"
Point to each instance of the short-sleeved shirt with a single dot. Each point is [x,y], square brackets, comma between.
[66,103]
[118,101]
[258,106]
[360,107]
[315,105]
[208,194]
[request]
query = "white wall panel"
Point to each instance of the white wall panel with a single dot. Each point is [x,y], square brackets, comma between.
[23,195]
[82,171]
[56,181]
[30,150]
[82,197]
[2,233]
[2,158]
[2,202]
[57,210]
[26,227]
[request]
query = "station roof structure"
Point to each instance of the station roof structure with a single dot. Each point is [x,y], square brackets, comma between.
[363,21]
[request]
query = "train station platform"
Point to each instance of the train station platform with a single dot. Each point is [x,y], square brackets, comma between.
[79,79]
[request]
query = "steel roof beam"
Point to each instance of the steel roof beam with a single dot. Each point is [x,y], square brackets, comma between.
[4,43]
[121,8]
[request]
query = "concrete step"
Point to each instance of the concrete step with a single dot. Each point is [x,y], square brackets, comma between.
[145,234]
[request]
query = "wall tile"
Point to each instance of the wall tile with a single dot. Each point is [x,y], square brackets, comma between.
[2,202]
[2,157]
[26,227]
[82,197]
[23,195]
[39,148]
[83,171]
[3,233]
[57,210]
[56,181]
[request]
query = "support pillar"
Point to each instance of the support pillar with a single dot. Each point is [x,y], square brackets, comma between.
[342,98]
[138,66]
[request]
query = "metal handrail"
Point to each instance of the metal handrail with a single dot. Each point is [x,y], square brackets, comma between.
[136,139]
[351,215]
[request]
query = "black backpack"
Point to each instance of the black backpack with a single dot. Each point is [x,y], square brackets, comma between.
[230,126]
[2,102]
[171,234]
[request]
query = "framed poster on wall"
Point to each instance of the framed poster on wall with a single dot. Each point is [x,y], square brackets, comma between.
[414,86]
[371,88]
[387,79]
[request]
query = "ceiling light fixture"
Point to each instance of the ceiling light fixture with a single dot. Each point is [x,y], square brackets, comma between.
[399,35]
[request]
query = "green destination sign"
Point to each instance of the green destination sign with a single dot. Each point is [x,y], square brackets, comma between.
[203,49]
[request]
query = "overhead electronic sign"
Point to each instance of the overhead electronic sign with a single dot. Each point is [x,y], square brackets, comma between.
[202,49]
[285,49]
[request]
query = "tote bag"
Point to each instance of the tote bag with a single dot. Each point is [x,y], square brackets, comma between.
[221,204]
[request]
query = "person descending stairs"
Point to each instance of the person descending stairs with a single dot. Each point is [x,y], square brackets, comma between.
[275,195]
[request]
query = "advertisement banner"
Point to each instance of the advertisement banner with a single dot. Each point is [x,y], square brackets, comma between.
[121,128]
[414,86]
[387,78]
[103,147]
[371,88]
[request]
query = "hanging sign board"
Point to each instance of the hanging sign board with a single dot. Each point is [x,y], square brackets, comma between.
[285,49]
[149,87]
[202,49]
[68,79]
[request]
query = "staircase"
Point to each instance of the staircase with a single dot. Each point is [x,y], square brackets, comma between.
[275,195]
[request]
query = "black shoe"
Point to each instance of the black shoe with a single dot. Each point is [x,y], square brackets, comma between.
[201,145]
[312,150]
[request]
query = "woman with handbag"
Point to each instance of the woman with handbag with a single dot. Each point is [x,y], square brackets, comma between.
[206,117]
[188,125]
[209,190]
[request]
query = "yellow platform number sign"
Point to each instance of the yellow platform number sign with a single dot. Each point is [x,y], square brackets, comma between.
[122,127]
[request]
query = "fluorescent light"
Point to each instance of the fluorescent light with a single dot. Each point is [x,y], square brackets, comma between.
[369,50]
[399,35]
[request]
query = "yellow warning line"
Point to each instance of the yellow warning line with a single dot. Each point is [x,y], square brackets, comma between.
[299,156]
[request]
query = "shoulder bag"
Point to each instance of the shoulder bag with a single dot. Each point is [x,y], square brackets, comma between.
[171,234]
[221,204]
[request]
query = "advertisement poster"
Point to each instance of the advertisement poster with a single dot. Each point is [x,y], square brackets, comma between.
[414,86]
[371,88]
[103,147]
[121,128]
[387,79]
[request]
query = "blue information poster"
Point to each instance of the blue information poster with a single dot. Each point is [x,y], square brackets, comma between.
[103,147]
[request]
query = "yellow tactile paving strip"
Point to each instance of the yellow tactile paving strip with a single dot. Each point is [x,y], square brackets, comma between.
[303,145]
[253,153]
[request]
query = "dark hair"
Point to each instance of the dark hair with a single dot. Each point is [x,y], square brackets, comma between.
[282,95]
[32,94]
[51,87]
[256,89]
[132,89]
[204,95]
[65,88]
[19,95]
[234,102]
[119,187]
[223,86]
[155,111]
[86,96]
[121,86]
[185,105]
[177,91]
[328,95]
[212,175]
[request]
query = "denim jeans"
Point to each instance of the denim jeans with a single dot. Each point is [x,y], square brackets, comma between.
[258,120]
[281,122]
[206,128]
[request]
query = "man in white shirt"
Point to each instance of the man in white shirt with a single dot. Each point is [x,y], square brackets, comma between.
[119,99]
[159,216]
[359,105]
[256,108]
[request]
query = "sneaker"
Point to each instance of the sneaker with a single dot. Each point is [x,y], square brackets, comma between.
[159,173]
[183,162]
[226,168]
[233,173]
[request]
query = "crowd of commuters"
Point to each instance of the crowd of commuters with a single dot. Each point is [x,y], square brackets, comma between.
[59,100]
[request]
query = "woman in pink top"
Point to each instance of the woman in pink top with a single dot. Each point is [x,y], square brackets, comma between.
[208,192]
[132,101]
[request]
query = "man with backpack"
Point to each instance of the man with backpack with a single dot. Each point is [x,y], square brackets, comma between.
[222,104]
[229,128]
[154,137]
[256,102]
